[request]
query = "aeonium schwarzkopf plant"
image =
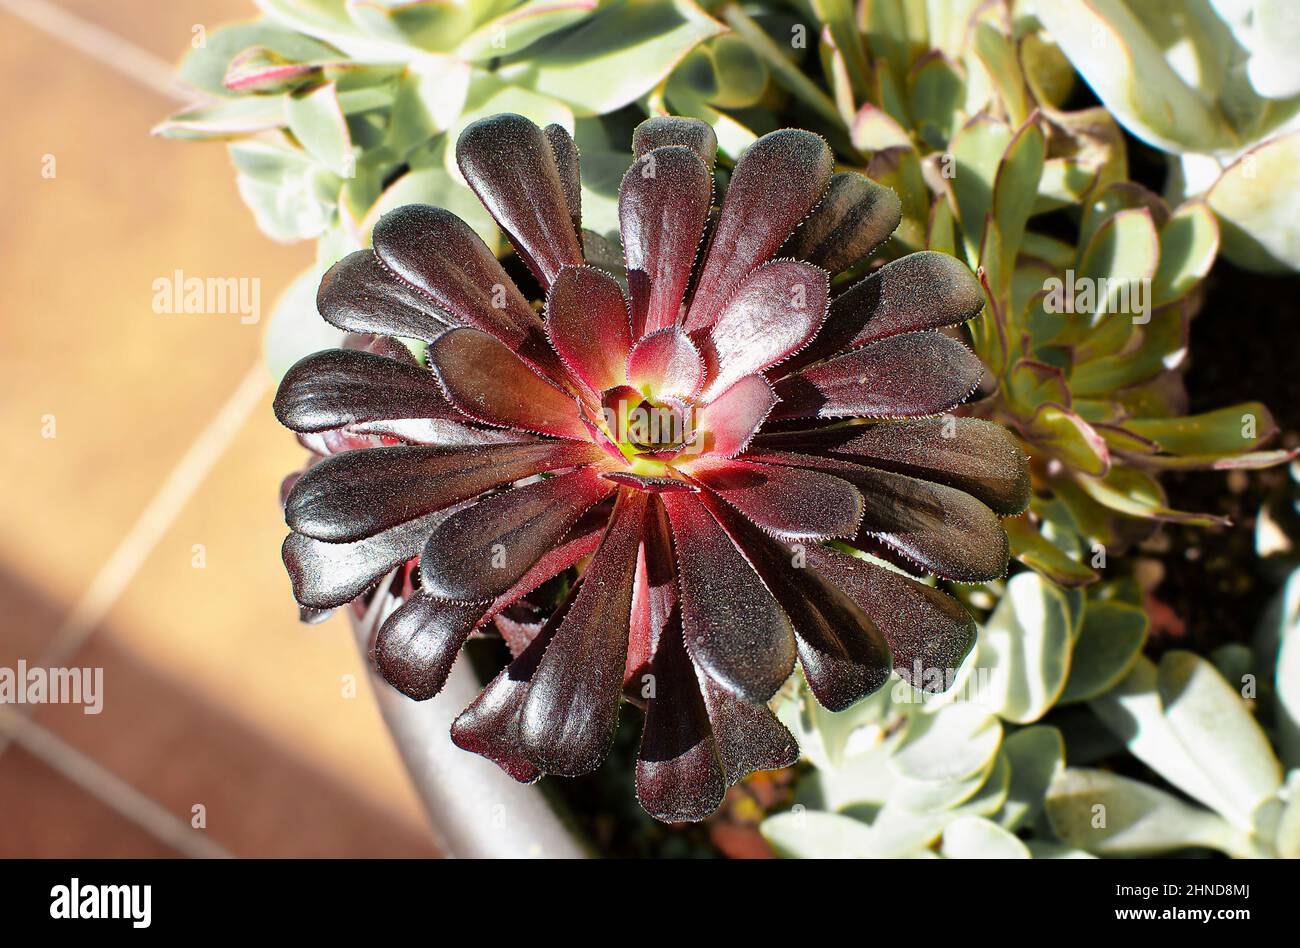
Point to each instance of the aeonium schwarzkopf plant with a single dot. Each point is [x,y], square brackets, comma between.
[715,438]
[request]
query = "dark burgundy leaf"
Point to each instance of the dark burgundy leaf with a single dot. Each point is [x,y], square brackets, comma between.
[490,725]
[482,550]
[565,153]
[663,205]
[679,777]
[338,387]
[927,631]
[510,166]
[587,322]
[418,643]
[973,455]
[359,294]
[355,495]
[793,502]
[735,631]
[854,218]
[843,654]
[922,373]
[748,735]
[662,131]
[924,290]
[489,383]
[327,575]
[568,719]
[940,528]
[440,255]
[440,432]
[778,180]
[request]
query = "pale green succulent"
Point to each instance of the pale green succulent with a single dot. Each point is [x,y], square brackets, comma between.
[340,110]
[1216,84]
[980,770]
[957,106]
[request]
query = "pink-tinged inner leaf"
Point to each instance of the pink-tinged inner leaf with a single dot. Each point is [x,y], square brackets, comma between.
[587,321]
[481,551]
[665,363]
[663,206]
[922,373]
[778,180]
[489,383]
[567,721]
[773,315]
[357,494]
[725,425]
[735,631]
[792,502]
[510,166]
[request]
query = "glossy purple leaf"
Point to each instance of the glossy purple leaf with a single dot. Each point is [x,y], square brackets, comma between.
[509,164]
[727,423]
[587,323]
[665,363]
[679,776]
[735,631]
[360,294]
[419,642]
[327,575]
[489,383]
[338,387]
[663,205]
[924,290]
[843,654]
[482,550]
[778,180]
[567,721]
[442,257]
[976,456]
[927,631]
[663,131]
[922,373]
[855,216]
[939,528]
[564,151]
[773,314]
[440,432]
[490,725]
[791,502]
[355,495]
[747,734]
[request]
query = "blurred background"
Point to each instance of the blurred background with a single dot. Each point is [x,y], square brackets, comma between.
[141,465]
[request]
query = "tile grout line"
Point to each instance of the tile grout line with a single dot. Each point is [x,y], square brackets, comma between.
[110,789]
[102,45]
[159,514]
[124,563]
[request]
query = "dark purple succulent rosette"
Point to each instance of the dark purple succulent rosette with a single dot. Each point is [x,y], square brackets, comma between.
[682,427]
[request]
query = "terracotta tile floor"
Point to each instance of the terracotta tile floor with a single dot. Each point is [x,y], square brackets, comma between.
[163,440]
